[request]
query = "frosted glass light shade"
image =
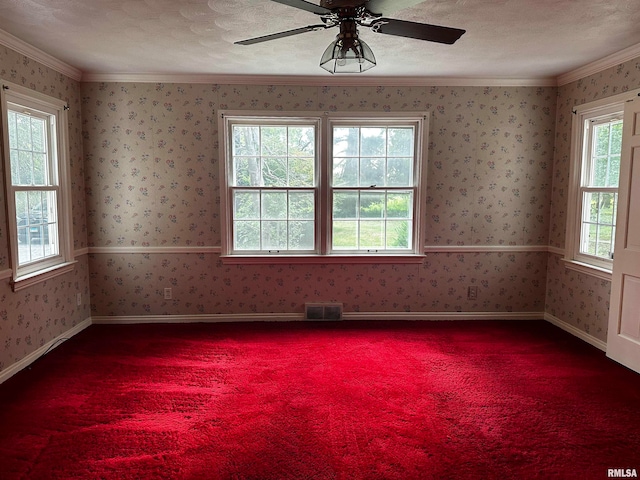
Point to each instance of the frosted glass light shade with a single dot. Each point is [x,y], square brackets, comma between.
[338,58]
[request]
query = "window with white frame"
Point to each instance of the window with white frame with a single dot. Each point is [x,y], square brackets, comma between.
[599,186]
[597,145]
[273,186]
[373,187]
[36,180]
[322,185]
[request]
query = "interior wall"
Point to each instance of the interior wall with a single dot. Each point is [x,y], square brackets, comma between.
[32,317]
[577,299]
[151,156]
[152,162]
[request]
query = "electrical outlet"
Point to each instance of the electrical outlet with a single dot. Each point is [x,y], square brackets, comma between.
[472,292]
[167,294]
[78,299]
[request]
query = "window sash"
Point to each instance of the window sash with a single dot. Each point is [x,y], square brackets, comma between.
[377,231]
[264,222]
[596,228]
[590,149]
[598,222]
[383,235]
[48,152]
[37,226]
[295,181]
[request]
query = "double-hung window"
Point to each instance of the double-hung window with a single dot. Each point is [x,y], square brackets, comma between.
[372,187]
[599,185]
[322,185]
[273,186]
[34,149]
[593,191]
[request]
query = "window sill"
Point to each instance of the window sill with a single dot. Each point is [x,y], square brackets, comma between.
[320,259]
[587,269]
[28,280]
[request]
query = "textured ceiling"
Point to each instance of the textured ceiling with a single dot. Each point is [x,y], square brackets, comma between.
[504,38]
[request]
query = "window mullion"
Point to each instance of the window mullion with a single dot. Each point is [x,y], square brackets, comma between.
[287,214]
[324,187]
[260,210]
[609,155]
[50,173]
[598,223]
[359,220]
[32,166]
[385,217]
[587,171]
[614,221]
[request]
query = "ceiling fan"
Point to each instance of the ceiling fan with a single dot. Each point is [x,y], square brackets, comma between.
[349,54]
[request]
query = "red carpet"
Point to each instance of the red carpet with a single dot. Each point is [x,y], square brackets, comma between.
[349,400]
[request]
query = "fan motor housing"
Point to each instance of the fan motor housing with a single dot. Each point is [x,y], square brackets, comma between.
[334,4]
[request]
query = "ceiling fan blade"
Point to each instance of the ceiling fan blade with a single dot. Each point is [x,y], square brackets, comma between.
[288,33]
[308,6]
[421,31]
[386,7]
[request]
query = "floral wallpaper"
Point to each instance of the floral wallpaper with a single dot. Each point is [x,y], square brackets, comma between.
[490,162]
[132,284]
[152,157]
[32,317]
[575,298]
[145,169]
[152,165]
[612,81]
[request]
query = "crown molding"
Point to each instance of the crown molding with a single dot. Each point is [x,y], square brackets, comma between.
[23,48]
[38,55]
[320,81]
[598,66]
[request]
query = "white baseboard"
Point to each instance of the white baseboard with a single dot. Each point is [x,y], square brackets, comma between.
[32,357]
[443,316]
[590,339]
[275,317]
[197,318]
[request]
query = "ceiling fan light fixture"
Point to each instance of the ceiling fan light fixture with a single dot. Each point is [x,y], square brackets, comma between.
[343,58]
[349,54]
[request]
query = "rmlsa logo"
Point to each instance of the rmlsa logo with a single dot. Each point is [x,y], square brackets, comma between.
[622,473]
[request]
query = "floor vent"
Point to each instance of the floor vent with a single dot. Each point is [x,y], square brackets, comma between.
[323,311]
